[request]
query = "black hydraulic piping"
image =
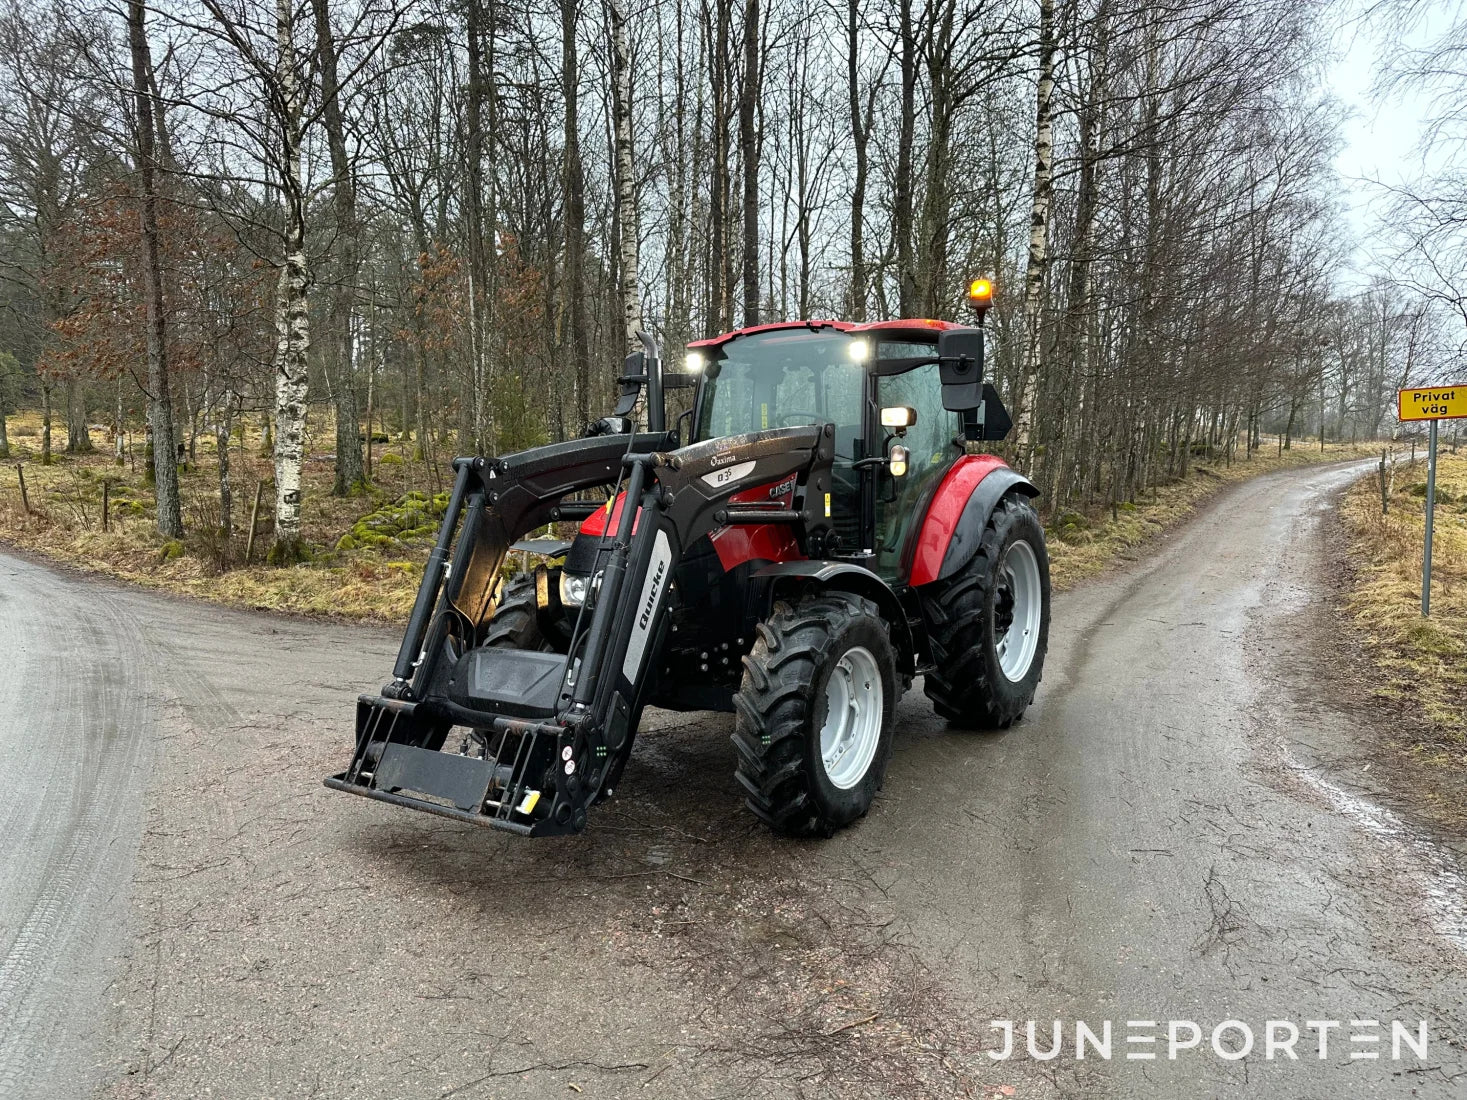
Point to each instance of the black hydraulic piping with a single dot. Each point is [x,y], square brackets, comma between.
[412,642]
[609,592]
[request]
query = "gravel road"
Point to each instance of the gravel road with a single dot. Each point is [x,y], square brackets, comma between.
[185,911]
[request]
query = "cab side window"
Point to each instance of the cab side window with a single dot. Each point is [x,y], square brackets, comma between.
[931,451]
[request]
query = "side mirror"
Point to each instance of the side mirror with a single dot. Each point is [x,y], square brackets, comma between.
[633,375]
[610,425]
[960,365]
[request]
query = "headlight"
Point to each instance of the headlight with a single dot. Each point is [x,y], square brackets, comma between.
[573,589]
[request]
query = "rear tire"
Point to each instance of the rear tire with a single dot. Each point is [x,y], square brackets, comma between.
[988,623]
[516,621]
[813,714]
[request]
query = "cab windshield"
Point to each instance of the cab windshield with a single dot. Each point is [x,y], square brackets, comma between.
[782,379]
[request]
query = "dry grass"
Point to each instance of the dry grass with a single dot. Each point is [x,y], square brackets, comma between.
[65,523]
[1084,544]
[364,576]
[1423,661]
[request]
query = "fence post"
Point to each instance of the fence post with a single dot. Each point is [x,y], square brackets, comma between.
[106,499]
[254,515]
[25,499]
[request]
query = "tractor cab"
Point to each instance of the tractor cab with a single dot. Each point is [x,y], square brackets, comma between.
[879,385]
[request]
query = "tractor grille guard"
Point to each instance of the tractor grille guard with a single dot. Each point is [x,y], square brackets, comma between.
[532,760]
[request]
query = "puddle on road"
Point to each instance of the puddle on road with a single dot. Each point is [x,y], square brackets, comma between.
[1442,887]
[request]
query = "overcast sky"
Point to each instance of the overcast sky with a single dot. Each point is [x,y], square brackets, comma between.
[1382,136]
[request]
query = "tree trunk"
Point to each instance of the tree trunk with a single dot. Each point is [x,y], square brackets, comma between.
[749,148]
[480,210]
[720,252]
[678,310]
[573,196]
[118,428]
[46,458]
[223,430]
[860,132]
[929,283]
[1043,196]
[372,382]
[901,212]
[78,439]
[350,475]
[192,415]
[292,318]
[160,407]
[628,221]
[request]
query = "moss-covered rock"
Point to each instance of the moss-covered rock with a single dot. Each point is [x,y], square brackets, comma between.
[410,520]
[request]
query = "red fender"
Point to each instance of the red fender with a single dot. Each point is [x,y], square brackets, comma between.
[737,544]
[944,511]
[595,523]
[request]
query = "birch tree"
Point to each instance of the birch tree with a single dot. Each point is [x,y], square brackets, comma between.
[1039,210]
[628,223]
[292,312]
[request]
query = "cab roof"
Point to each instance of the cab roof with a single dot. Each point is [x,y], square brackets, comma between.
[905,327]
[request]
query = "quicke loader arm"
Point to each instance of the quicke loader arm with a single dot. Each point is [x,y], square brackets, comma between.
[543,732]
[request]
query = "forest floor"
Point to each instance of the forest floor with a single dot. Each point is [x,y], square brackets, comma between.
[1418,665]
[369,549]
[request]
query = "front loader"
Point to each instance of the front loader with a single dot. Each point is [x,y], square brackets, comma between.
[822,538]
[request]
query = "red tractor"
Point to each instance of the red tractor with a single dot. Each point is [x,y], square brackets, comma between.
[806,539]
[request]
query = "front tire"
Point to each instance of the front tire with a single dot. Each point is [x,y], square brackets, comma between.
[988,623]
[813,714]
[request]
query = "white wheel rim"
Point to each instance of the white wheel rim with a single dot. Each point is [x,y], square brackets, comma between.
[1017,607]
[853,711]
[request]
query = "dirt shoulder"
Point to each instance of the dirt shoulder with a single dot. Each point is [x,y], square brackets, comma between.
[1405,675]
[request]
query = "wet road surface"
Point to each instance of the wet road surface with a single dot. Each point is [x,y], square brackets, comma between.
[185,910]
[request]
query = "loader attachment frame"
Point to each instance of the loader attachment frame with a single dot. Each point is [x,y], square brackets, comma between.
[543,733]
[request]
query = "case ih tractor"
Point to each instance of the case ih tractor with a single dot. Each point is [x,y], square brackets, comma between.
[806,540]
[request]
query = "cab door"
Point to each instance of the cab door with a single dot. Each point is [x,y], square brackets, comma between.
[932,449]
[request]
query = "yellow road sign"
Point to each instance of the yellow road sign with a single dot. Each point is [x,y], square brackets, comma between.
[1433,403]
